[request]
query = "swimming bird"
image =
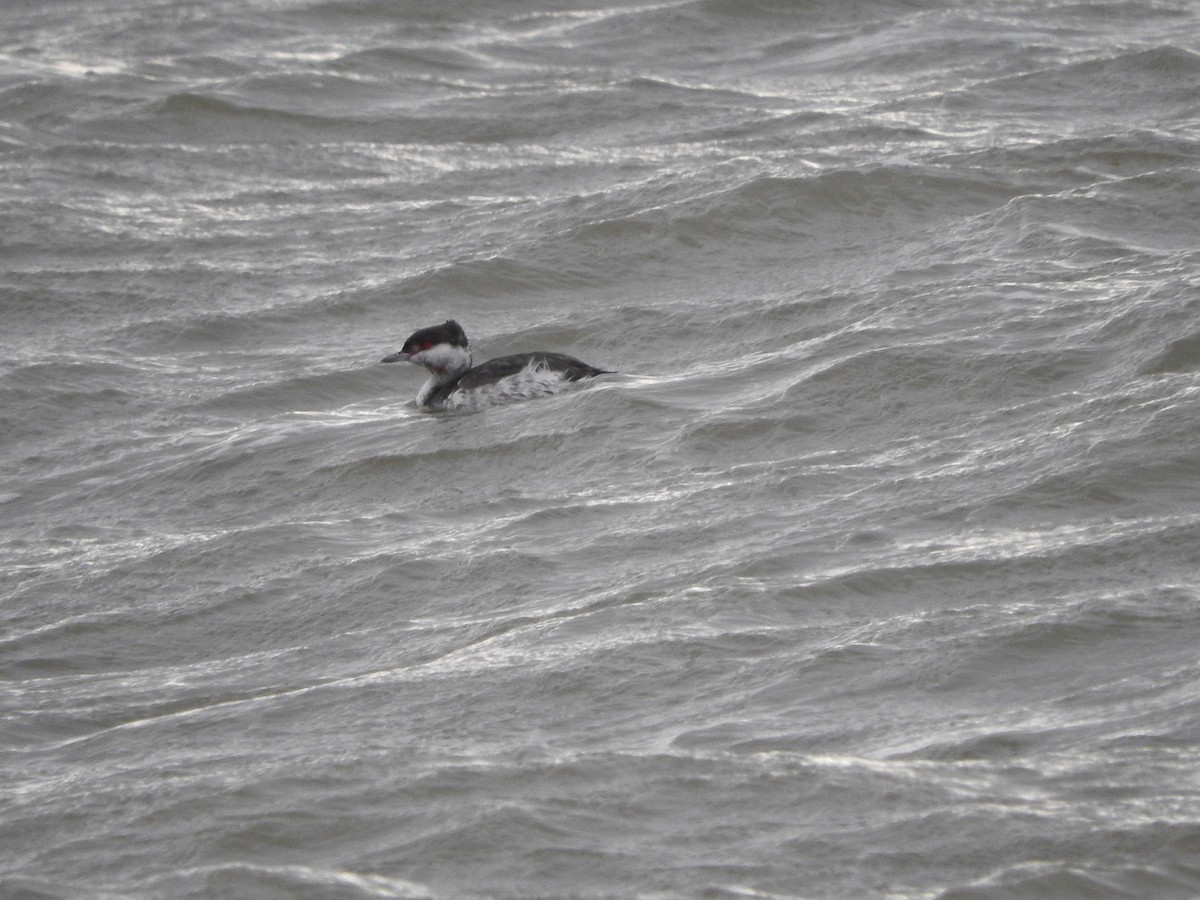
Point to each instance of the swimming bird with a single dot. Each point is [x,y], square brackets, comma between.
[454,382]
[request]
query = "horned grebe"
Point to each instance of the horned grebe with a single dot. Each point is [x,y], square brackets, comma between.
[442,349]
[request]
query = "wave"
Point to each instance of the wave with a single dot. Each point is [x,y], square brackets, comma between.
[1052,881]
[1137,85]
[775,10]
[419,61]
[849,210]
[198,112]
[241,879]
[1181,355]
[287,113]
[44,400]
[1054,163]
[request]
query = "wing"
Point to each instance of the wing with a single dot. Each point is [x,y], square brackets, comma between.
[571,368]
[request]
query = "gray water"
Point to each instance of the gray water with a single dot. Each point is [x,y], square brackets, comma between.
[873,573]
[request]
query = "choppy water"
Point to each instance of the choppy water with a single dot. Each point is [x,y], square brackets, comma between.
[874,573]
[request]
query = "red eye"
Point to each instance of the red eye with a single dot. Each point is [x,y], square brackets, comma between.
[425,345]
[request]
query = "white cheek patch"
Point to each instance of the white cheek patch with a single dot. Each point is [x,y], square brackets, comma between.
[443,358]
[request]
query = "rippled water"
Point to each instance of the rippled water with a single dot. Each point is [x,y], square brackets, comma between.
[872,573]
